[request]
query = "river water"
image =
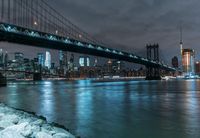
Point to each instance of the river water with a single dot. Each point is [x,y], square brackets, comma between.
[121,109]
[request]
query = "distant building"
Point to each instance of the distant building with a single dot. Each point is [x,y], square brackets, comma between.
[41,59]
[1,58]
[95,62]
[63,61]
[19,57]
[188,56]
[48,60]
[175,62]
[117,66]
[109,66]
[71,63]
[84,61]
[197,68]
[6,58]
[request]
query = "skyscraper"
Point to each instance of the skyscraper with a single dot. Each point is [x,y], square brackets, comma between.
[95,62]
[63,61]
[6,58]
[19,57]
[175,62]
[41,59]
[197,68]
[87,61]
[1,57]
[84,61]
[61,57]
[81,61]
[71,63]
[48,60]
[188,56]
[181,40]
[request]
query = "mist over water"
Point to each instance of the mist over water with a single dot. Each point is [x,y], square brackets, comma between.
[140,109]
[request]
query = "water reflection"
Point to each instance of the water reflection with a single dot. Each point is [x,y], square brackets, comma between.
[113,109]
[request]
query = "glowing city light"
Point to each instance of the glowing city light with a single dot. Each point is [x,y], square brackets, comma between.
[35,23]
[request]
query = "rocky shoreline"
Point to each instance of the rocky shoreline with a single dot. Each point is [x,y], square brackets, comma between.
[16,123]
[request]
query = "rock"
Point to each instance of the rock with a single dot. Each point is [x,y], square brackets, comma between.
[8,133]
[1,128]
[62,135]
[47,127]
[23,129]
[11,118]
[59,130]
[5,123]
[43,135]
[20,124]
[39,122]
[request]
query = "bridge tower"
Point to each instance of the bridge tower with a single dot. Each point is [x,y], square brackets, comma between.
[37,76]
[153,72]
[3,81]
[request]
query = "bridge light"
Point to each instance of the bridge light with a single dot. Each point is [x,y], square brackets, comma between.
[80,36]
[35,23]
[107,50]
[114,51]
[90,46]
[56,31]
[79,44]
[120,53]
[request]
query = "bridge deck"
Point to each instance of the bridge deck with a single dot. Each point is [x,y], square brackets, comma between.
[21,35]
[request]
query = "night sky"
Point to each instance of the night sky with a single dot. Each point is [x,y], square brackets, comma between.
[130,24]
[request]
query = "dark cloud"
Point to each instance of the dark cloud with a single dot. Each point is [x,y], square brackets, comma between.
[130,24]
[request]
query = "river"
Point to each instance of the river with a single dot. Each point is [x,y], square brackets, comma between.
[118,109]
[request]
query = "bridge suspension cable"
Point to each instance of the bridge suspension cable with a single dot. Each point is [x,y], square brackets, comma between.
[39,15]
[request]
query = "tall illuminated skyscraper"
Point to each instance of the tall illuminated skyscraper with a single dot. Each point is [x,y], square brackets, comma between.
[84,61]
[181,45]
[188,56]
[41,59]
[48,60]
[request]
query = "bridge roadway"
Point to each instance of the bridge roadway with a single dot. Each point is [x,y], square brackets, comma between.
[16,34]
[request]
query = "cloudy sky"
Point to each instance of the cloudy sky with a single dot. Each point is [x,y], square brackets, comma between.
[131,24]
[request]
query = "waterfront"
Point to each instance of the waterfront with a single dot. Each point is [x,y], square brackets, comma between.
[140,109]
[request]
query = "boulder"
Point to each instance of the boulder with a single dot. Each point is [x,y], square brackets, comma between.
[62,135]
[11,118]
[43,135]
[5,123]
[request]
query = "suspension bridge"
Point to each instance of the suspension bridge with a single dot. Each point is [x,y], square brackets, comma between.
[36,23]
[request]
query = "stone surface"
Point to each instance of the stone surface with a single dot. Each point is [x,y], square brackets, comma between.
[19,124]
[43,135]
[61,135]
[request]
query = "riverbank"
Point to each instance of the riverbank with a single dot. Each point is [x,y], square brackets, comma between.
[15,123]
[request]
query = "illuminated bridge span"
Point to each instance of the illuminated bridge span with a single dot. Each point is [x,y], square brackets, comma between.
[36,23]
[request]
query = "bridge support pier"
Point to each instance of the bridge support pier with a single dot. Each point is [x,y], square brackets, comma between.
[37,77]
[153,73]
[3,80]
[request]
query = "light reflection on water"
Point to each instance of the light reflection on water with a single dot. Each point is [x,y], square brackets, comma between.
[141,109]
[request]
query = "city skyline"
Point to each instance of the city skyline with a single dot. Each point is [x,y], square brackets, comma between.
[98,69]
